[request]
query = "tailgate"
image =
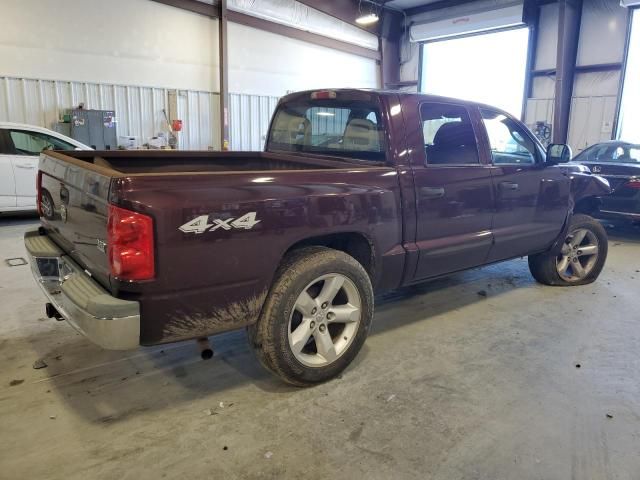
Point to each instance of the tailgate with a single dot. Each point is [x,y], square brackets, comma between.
[74,207]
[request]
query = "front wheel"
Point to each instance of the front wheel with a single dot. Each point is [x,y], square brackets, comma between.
[581,258]
[316,318]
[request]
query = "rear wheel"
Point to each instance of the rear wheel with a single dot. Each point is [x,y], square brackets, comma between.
[316,318]
[581,258]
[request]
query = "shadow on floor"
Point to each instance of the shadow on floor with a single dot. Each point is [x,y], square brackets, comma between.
[16,219]
[107,387]
[621,231]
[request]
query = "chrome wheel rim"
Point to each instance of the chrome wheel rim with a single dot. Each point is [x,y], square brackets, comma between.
[324,320]
[578,256]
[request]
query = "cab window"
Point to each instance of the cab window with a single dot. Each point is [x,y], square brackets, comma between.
[449,138]
[510,143]
[329,127]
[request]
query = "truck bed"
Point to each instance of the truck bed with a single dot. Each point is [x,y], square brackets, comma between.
[216,278]
[133,162]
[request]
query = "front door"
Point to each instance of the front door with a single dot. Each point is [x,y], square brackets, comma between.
[454,195]
[532,199]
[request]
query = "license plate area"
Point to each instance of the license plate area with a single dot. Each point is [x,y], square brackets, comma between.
[49,267]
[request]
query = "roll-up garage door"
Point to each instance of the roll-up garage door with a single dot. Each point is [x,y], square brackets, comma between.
[469,23]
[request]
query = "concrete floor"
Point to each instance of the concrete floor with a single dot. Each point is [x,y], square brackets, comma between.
[450,385]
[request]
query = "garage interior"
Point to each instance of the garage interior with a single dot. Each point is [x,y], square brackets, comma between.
[482,374]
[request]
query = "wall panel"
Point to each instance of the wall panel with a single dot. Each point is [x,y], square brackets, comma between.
[138,109]
[249,117]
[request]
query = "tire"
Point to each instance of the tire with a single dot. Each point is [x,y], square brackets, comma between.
[585,235]
[279,335]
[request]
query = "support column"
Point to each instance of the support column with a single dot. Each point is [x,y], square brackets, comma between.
[390,40]
[570,14]
[224,76]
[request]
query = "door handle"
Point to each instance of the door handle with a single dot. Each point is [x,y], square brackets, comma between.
[432,192]
[509,186]
[26,167]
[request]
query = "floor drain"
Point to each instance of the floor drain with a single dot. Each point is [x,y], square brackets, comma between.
[15,262]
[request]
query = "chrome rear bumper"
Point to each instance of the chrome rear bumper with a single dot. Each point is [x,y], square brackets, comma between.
[110,322]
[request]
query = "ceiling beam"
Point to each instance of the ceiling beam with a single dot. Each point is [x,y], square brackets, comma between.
[194,6]
[345,10]
[277,28]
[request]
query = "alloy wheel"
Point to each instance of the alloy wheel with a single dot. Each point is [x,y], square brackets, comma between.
[324,320]
[578,256]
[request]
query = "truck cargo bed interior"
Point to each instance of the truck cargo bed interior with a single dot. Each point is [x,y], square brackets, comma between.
[132,162]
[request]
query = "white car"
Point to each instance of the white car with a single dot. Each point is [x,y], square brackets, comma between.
[20,147]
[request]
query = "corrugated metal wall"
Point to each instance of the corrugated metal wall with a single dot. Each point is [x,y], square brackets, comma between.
[138,109]
[593,104]
[249,117]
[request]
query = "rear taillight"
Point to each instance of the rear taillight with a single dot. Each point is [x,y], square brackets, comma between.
[633,183]
[39,193]
[130,244]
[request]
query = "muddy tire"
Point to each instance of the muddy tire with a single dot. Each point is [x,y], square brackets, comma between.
[316,317]
[581,259]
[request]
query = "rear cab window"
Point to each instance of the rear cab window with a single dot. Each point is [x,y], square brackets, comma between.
[330,126]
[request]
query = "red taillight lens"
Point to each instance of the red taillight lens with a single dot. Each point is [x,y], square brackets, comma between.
[39,193]
[130,244]
[633,183]
[323,95]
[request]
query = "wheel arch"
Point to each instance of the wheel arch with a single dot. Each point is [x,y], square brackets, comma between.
[355,244]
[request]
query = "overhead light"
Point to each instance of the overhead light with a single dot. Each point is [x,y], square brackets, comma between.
[367,16]
[325,114]
[367,19]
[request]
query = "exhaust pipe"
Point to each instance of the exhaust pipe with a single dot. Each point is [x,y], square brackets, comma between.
[206,351]
[51,312]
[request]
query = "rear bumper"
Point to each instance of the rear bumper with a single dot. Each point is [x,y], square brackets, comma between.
[110,322]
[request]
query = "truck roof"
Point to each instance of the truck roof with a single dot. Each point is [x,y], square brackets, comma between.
[400,93]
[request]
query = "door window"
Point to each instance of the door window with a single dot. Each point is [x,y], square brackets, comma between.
[510,143]
[32,143]
[448,135]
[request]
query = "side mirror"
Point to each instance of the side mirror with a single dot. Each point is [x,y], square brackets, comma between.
[558,153]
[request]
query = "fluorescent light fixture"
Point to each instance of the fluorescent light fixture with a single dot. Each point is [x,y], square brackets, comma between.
[367,19]
[325,114]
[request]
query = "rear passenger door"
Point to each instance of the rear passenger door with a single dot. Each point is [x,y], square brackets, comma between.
[453,193]
[532,199]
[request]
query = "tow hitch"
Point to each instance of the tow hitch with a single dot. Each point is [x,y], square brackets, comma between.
[52,312]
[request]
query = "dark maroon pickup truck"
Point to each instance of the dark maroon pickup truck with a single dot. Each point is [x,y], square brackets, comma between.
[357,192]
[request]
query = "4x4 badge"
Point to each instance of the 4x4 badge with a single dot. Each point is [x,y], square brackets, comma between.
[201,224]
